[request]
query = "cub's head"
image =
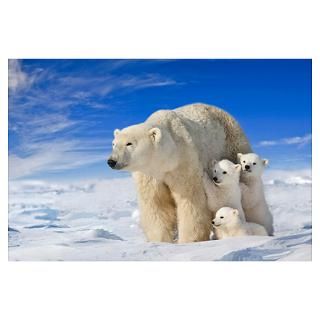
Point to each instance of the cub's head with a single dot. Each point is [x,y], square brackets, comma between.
[225,172]
[225,216]
[139,148]
[252,164]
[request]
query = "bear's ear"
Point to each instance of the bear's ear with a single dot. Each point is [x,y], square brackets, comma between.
[235,212]
[239,155]
[115,132]
[155,134]
[214,162]
[238,167]
[265,162]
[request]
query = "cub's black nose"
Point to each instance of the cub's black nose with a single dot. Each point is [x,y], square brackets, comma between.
[215,179]
[111,163]
[212,222]
[247,167]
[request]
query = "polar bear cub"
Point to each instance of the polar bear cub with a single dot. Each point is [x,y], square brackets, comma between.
[229,224]
[224,189]
[253,199]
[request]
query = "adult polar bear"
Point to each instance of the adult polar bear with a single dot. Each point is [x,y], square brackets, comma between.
[167,155]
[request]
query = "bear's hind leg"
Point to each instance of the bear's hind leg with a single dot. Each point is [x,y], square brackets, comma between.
[158,216]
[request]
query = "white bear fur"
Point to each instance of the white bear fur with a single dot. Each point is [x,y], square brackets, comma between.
[223,190]
[229,223]
[167,155]
[253,199]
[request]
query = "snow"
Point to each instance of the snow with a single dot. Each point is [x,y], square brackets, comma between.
[99,220]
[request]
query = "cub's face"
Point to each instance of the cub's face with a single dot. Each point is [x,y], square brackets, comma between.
[225,216]
[132,148]
[225,172]
[252,164]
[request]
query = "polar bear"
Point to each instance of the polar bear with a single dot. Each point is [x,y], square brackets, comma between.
[167,154]
[253,200]
[230,224]
[224,188]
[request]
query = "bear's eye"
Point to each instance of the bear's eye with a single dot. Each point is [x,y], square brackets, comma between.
[224,172]
[254,163]
[215,171]
[221,217]
[244,161]
[129,144]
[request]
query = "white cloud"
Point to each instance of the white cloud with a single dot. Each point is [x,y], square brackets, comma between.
[63,91]
[77,86]
[300,141]
[17,78]
[52,123]
[47,157]
[148,81]
[43,125]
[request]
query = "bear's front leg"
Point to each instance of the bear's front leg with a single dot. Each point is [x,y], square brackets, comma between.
[194,218]
[158,216]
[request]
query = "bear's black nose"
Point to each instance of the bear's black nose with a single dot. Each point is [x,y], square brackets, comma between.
[111,163]
[247,167]
[212,221]
[215,179]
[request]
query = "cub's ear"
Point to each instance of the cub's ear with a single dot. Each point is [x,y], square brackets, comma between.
[238,167]
[235,212]
[214,162]
[115,132]
[265,162]
[239,155]
[155,134]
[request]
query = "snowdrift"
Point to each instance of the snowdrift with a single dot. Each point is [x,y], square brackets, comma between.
[99,220]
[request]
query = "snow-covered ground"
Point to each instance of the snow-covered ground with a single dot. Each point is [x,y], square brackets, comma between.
[99,220]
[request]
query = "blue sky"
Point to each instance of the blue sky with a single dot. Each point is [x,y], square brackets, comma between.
[62,113]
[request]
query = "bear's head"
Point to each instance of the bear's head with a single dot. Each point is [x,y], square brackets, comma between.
[226,216]
[225,172]
[252,164]
[144,149]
